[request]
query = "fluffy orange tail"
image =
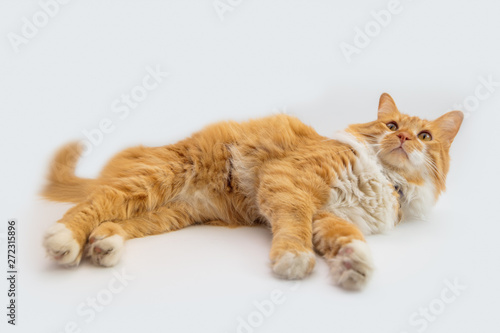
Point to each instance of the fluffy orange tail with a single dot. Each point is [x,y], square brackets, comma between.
[63,185]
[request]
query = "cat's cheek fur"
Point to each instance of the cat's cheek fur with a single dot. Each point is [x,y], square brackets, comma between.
[352,267]
[61,245]
[294,266]
[105,251]
[417,157]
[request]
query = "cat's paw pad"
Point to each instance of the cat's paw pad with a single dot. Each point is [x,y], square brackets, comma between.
[353,266]
[61,245]
[105,251]
[294,265]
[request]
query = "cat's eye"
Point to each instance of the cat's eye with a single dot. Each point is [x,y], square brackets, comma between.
[392,126]
[425,136]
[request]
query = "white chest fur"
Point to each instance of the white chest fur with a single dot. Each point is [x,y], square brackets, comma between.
[363,194]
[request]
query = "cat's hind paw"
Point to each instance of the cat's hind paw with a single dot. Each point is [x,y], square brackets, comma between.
[294,266]
[105,251]
[352,267]
[61,246]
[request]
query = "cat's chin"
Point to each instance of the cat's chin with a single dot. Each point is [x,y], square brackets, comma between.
[400,152]
[397,158]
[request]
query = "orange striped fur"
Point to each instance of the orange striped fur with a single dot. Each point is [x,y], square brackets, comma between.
[274,171]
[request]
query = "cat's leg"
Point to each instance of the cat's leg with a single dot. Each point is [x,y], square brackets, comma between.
[106,242]
[289,209]
[345,249]
[65,240]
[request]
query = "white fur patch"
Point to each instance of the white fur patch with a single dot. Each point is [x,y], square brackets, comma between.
[362,194]
[106,251]
[417,157]
[353,266]
[294,266]
[61,245]
[417,200]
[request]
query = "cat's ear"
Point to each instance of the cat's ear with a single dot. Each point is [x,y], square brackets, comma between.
[386,107]
[449,124]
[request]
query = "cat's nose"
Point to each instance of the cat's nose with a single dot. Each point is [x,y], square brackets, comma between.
[403,136]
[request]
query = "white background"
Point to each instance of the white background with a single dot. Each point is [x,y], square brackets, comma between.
[264,57]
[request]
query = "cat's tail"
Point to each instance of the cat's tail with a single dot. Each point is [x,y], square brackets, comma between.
[63,185]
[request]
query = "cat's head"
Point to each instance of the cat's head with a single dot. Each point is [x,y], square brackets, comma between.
[415,148]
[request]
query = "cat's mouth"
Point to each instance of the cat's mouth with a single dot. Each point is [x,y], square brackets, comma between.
[400,150]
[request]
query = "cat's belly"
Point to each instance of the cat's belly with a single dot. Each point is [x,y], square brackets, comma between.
[361,194]
[366,202]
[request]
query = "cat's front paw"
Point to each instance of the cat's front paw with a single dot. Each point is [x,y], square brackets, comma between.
[62,246]
[106,244]
[105,251]
[294,265]
[352,267]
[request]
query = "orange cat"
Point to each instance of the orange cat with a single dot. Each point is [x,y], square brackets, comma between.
[315,193]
